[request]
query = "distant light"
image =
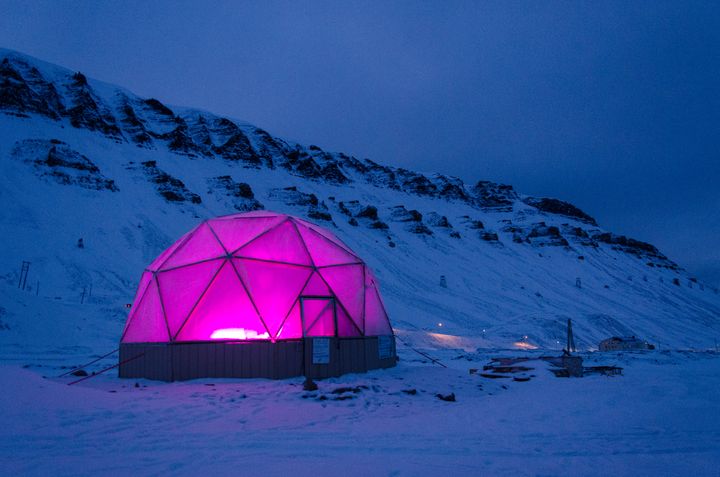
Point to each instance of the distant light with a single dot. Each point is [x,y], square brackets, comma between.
[238,334]
[439,324]
[524,345]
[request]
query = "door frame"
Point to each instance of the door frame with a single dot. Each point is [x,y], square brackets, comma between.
[329,298]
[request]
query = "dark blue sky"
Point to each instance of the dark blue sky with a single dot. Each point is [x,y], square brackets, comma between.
[614,106]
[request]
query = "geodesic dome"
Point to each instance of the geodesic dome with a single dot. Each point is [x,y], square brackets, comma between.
[256,276]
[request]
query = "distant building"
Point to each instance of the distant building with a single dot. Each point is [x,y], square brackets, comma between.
[627,343]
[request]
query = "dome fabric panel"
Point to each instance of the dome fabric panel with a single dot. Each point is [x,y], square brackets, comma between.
[180,289]
[376,320]
[323,251]
[316,286]
[281,243]
[292,327]
[224,312]
[233,234]
[252,276]
[201,245]
[319,317]
[157,263]
[325,233]
[274,287]
[147,324]
[346,282]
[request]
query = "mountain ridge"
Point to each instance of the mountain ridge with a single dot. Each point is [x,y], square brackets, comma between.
[77,142]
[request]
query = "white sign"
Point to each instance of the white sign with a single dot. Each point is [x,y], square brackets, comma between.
[321,350]
[385,347]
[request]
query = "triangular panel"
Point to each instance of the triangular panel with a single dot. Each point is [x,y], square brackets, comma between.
[319,317]
[316,287]
[323,251]
[181,288]
[324,232]
[280,244]
[223,312]
[158,262]
[292,328]
[147,324]
[144,281]
[346,327]
[234,233]
[201,245]
[347,284]
[142,287]
[376,320]
[274,287]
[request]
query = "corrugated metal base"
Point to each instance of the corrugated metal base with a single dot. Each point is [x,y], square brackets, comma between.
[249,359]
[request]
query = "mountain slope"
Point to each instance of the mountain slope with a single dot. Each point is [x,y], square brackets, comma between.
[86,160]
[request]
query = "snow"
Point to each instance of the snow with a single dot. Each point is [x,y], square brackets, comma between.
[660,417]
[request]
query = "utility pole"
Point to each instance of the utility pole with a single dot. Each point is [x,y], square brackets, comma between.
[24,270]
[570,338]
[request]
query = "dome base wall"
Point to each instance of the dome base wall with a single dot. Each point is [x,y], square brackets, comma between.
[181,361]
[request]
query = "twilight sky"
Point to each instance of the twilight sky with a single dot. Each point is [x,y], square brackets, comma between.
[613,106]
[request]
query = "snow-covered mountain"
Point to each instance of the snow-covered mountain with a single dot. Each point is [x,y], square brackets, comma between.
[461,265]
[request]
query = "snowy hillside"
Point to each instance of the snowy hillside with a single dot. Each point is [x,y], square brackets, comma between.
[87,160]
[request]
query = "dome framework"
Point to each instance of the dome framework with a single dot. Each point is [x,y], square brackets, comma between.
[258,278]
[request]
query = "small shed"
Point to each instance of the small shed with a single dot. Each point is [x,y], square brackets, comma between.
[627,343]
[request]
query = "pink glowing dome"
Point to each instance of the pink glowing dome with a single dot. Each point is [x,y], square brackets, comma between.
[256,276]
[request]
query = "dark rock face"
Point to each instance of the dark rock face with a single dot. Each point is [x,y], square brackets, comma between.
[316,209]
[268,147]
[292,196]
[416,183]
[378,175]
[240,194]
[20,95]
[489,237]
[238,148]
[132,125]
[171,188]
[400,214]
[436,220]
[490,195]
[559,207]
[85,111]
[452,188]
[322,167]
[636,247]
[57,161]
[159,108]
[543,235]
[538,234]
[369,212]
[411,218]
[579,236]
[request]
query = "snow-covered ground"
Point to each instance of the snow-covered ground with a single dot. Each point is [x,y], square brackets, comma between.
[662,417]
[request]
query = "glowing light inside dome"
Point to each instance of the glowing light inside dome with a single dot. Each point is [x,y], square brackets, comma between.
[238,334]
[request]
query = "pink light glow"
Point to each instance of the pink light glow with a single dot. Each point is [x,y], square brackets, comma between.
[238,334]
[241,277]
